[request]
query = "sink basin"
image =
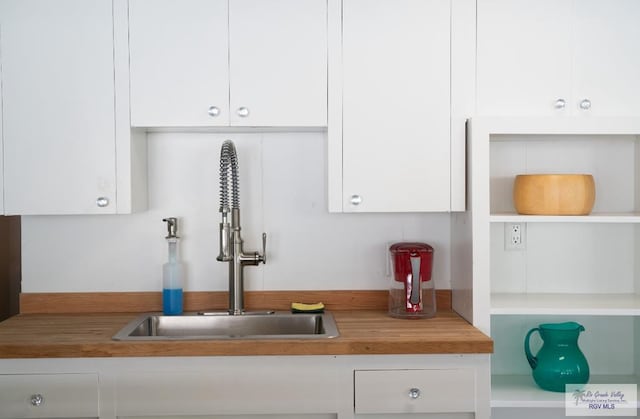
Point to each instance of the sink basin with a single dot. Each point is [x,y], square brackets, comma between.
[193,326]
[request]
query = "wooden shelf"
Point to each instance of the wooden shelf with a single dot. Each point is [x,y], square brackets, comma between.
[566,304]
[620,218]
[520,391]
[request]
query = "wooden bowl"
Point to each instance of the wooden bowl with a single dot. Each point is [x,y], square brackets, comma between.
[554,194]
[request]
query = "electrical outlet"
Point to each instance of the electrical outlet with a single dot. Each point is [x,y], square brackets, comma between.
[514,236]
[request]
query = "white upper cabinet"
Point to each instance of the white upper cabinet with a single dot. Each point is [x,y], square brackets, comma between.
[222,63]
[1,145]
[607,57]
[558,57]
[524,56]
[278,62]
[58,106]
[179,62]
[394,148]
[66,147]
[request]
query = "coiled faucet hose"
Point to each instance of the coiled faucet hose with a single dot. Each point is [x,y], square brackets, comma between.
[229,162]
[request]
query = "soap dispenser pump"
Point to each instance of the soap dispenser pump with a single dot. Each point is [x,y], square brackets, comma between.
[172,272]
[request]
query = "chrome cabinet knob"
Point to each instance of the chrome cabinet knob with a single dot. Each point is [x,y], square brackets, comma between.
[356,200]
[414,393]
[585,104]
[560,103]
[243,112]
[213,111]
[102,201]
[37,400]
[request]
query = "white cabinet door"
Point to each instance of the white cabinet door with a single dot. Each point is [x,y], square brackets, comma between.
[278,62]
[558,57]
[1,143]
[49,395]
[221,63]
[607,57]
[524,57]
[227,391]
[396,105]
[179,62]
[58,106]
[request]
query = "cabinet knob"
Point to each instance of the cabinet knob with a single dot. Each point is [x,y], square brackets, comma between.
[37,400]
[356,199]
[213,111]
[102,201]
[243,112]
[414,393]
[585,104]
[560,103]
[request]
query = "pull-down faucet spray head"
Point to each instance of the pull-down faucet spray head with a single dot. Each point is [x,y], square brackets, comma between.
[229,167]
[228,178]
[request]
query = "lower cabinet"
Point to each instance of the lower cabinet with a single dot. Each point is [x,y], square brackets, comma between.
[224,390]
[414,391]
[283,387]
[234,416]
[49,396]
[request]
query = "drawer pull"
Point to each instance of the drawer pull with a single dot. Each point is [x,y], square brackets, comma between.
[414,393]
[37,400]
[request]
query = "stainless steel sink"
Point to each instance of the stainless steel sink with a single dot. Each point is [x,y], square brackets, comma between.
[279,325]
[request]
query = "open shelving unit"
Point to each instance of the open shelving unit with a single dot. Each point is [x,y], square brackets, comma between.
[571,268]
[519,391]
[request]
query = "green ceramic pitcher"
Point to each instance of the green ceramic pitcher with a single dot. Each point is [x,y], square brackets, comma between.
[560,361]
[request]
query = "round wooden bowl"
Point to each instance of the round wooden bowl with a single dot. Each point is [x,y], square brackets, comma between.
[554,194]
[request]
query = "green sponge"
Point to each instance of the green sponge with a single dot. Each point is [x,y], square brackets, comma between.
[307,308]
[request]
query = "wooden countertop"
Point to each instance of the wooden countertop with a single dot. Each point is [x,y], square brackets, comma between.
[362,332]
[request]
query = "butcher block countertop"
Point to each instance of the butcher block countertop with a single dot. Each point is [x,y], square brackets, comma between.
[364,331]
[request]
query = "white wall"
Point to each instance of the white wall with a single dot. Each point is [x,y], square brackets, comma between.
[282,191]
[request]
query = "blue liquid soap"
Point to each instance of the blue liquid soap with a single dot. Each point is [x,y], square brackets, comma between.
[172,301]
[172,275]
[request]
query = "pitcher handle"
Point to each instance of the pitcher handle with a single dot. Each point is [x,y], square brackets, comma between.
[533,361]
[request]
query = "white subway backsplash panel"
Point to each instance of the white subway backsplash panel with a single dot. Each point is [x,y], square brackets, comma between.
[282,192]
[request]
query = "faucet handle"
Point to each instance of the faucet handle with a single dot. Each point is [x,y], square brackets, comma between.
[263,258]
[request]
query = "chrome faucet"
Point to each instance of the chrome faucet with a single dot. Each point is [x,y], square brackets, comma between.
[230,240]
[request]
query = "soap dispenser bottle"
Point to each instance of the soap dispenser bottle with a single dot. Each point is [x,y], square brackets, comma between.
[172,272]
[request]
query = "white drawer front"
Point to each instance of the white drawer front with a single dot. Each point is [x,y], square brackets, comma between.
[391,391]
[224,392]
[49,395]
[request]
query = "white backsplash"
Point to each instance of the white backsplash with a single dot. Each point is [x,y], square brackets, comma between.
[282,192]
